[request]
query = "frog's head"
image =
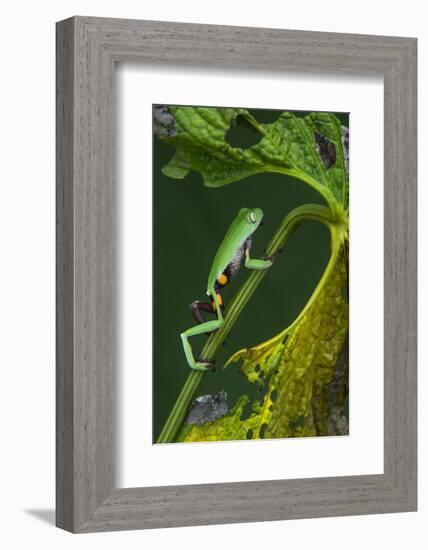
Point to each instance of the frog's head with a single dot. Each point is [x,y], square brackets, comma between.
[254,217]
[249,220]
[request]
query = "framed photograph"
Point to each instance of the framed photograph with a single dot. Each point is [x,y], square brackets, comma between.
[236,274]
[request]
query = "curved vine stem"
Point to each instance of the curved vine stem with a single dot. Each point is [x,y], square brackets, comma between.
[308,212]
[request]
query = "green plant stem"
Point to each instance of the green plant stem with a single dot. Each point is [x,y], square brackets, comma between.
[288,226]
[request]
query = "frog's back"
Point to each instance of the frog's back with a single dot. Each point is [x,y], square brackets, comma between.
[232,243]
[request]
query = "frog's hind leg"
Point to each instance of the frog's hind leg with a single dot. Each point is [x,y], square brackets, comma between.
[198,307]
[217,303]
[207,327]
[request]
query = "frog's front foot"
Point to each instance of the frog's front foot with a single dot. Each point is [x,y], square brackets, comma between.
[272,257]
[204,365]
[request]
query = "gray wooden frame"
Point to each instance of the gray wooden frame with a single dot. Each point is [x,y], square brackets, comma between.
[87,50]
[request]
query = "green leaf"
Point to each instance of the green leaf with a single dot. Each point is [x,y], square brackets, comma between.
[290,145]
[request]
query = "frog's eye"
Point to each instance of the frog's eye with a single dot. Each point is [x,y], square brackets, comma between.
[252,217]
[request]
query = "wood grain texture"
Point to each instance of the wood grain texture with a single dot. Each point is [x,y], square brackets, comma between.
[64,278]
[87,50]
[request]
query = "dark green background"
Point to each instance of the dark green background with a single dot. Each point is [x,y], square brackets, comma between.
[190,221]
